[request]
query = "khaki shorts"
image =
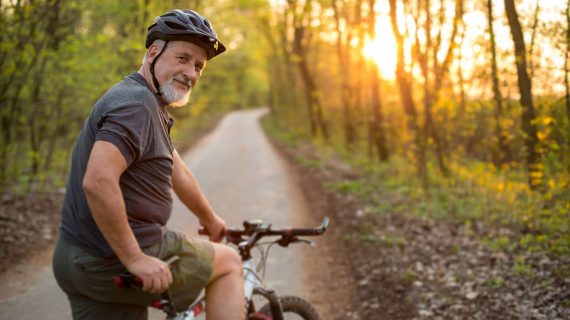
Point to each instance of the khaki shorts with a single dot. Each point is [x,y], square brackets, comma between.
[88,281]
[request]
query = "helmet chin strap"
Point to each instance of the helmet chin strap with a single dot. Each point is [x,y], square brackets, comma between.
[154,80]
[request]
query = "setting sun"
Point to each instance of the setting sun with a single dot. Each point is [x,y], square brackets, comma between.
[382,49]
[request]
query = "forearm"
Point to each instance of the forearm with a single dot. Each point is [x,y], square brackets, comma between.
[188,191]
[108,208]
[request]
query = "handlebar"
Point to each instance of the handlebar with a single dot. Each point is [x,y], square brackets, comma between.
[254,230]
[264,229]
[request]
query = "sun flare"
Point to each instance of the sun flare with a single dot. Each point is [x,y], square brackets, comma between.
[382,49]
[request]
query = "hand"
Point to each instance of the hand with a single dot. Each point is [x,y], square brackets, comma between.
[216,228]
[155,273]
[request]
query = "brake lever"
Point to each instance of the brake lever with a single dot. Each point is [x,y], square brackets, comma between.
[309,242]
[285,241]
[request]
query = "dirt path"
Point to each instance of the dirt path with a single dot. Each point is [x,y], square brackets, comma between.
[405,267]
[244,178]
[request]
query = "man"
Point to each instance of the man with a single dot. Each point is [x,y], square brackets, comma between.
[118,196]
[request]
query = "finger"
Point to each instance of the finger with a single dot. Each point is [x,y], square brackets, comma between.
[170,277]
[218,237]
[162,285]
[147,284]
[156,286]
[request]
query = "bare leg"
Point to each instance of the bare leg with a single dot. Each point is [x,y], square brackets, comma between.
[224,292]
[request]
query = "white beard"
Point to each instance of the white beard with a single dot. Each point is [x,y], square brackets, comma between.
[175,97]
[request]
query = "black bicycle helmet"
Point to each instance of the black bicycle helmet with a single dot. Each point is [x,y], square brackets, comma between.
[185,25]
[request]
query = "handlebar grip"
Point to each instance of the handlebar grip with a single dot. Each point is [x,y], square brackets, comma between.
[204,232]
[128,280]
[311,231]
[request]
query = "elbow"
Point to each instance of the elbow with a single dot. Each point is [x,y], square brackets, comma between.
[93,184]
[88,185]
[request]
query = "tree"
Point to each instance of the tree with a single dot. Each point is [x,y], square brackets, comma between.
[377,136]
[301,40]
[406,95]
[347,90]
[502,152]
[566,62]
[525,90]
[434,71]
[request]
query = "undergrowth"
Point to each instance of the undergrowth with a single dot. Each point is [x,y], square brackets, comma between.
[475,192]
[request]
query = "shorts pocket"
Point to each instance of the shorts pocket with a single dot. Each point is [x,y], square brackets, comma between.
[87,262]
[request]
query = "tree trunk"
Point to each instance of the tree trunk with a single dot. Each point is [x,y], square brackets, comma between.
[35,139]
[359,63]
[312,95]
[346,89]
[533,39]
[525,88]
[404,84]
[377,131]
[567,81]
[566,64]
[502,148]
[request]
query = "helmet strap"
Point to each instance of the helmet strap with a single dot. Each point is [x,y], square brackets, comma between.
[154,80]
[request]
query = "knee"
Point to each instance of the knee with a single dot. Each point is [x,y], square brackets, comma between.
[226,260]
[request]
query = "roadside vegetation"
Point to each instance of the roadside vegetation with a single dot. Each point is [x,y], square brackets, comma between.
[442,126]
[464,126]
[466,246]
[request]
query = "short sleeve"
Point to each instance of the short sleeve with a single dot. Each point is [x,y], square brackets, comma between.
[127,127]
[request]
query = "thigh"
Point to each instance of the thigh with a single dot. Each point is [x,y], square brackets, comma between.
[84,308]
[81,274]
[192,271]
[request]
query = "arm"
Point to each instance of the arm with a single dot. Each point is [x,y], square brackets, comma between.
[103,192]
[188,191]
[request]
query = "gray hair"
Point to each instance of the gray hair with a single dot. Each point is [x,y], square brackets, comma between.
[159,43]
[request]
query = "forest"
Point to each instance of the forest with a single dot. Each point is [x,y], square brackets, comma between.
[461,106]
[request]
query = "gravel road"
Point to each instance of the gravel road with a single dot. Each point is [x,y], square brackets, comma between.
[242,176]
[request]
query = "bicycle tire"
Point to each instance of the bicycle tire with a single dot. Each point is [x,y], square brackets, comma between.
[294,306]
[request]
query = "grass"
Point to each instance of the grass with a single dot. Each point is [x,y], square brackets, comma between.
[475,191]
[495,283]
[409,276]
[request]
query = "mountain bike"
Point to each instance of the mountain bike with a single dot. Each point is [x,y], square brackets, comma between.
[246,239]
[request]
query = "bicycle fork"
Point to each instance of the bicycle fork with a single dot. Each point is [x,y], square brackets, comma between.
[252,284]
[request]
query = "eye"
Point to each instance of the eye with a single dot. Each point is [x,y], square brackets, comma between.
[199,67]
[182,59]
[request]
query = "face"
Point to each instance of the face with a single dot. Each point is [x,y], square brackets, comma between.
[178,70]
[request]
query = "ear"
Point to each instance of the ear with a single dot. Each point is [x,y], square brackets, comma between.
[152,52]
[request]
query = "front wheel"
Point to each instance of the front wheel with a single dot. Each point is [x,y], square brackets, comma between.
[294,308]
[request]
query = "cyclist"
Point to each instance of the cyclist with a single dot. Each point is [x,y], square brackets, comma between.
[118,197]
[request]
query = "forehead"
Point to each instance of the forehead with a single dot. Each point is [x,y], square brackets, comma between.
[190,49]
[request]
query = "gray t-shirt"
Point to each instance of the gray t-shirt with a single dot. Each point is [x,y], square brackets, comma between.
[132,118]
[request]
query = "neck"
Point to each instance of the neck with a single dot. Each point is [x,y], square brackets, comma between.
[145,72]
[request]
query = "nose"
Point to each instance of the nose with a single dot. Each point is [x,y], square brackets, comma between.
[191,74]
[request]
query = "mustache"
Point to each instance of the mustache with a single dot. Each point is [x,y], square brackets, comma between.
[185,81]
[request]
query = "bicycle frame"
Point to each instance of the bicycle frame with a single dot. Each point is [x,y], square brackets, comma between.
[253,231]
[251,284]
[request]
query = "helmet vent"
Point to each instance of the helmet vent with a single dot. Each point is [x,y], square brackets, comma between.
[175,25]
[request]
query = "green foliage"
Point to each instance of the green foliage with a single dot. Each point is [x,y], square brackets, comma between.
[59,57]
[523,268]
[495,283]
[349,186]
[309,163]
[475,191]
[393,241]
[409,276]
[501,243]
[366,233]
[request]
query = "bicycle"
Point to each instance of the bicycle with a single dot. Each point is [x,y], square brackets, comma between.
[246,239]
